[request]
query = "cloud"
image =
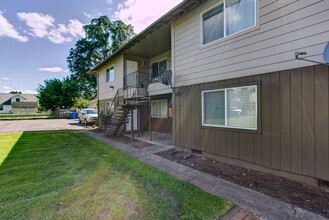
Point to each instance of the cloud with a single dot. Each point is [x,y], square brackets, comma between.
[64,33]
[8,30]
[87,15]
[5,78]
[7,88]
[29,91]
[51,69]
[75,28]
[141,13]
[110,2]
[38,23]
[44,26]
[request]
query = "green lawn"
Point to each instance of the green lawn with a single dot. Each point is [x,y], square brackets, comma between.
[65,175]
[24,117]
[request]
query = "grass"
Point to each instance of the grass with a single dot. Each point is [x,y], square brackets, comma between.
[64,175]
[24,117]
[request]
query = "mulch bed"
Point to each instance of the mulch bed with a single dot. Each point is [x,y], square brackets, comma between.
[311,198]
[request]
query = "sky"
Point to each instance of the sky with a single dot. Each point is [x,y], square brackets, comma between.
[36,35]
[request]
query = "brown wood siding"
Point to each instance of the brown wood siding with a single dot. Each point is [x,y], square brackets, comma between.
[163,125]
[293,126]
[144,117]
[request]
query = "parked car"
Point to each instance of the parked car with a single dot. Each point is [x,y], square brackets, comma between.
[88,116]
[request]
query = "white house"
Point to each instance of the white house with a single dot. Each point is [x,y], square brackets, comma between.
[29,103]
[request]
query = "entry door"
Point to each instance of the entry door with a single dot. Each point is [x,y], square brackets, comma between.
[128,125]
[131,67]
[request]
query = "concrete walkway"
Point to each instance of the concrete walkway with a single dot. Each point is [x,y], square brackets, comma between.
[261,205]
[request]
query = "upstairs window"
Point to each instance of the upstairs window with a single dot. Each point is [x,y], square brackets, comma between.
[18,99]
[230,108]
[110,74]
[228,18]
[158,68]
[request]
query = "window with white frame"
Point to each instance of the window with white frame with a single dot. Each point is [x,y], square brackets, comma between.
[158,68]
[1,107]
[231,108]
[110,74]
[159,108]
[227,18]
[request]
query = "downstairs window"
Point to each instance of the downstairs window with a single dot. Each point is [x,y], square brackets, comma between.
[230,108]
[159,108]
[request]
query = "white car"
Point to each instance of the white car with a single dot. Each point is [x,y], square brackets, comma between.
[88,116]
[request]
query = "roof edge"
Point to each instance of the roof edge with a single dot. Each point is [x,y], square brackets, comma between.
[152,27]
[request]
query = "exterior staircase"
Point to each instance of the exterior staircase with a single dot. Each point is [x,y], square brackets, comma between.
[132,96]
[120,111]
[117,123]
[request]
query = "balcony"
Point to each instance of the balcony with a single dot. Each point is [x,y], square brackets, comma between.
[135,85]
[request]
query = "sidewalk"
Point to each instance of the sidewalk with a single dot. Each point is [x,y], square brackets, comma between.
[261,205]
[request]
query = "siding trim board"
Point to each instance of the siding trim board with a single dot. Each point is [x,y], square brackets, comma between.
[293,117]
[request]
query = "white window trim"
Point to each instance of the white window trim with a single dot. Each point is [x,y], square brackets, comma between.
[158,100]
[109,74]
[226,126]
[249,29]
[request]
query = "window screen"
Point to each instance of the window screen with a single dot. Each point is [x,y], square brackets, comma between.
[231,107]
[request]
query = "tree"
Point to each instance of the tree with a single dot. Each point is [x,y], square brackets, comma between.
[80,102]
[15,92]
[103,37]
[50,95]
[58,94]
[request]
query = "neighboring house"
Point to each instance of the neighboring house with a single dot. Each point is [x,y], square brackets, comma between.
[241,96]
[18,103]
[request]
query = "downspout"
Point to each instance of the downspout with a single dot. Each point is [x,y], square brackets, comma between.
[97,93]
[173,96]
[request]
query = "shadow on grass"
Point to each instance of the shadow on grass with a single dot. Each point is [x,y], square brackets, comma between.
[70,175]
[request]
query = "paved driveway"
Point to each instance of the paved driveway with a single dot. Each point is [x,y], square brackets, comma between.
[40,125]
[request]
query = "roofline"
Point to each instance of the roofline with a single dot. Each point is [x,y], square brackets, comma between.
[167,18]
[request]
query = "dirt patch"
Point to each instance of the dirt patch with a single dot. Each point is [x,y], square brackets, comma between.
[311,198]
[95,129]
[103,214]
[169,198]
[132,207]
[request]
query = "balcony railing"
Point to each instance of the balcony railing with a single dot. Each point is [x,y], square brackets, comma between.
[136,83]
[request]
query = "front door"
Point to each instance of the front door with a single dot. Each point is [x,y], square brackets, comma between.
[128,125]
[131,67]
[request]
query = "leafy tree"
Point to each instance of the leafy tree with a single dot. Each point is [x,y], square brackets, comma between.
[80,102]
[58,94]
[50,95]
[15,92]
[103,37]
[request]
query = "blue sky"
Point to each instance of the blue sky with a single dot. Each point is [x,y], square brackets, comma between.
[36,35]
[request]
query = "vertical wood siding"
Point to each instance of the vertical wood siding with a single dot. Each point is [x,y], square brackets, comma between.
[293,133]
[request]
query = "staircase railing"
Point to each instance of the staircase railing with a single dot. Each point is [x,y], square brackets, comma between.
[114,103]
[125,113]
